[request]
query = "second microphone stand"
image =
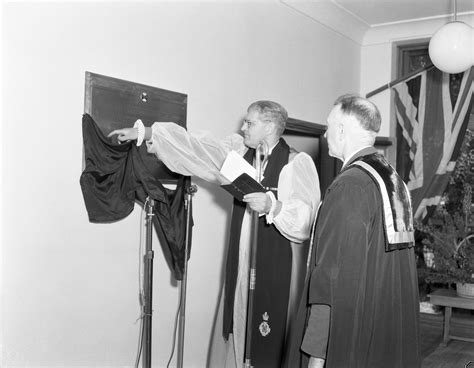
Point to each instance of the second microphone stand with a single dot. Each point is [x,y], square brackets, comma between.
[260,151]
[190,190]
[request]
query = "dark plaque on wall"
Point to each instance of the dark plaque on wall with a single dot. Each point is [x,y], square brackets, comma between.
[115,103]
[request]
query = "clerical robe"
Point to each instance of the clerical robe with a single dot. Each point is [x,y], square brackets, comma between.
[371,289]
[297,188]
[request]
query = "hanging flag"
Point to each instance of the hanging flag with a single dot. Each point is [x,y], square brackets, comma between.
[431,125]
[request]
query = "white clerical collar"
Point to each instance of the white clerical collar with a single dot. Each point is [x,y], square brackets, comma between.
[353,154]
[270,149]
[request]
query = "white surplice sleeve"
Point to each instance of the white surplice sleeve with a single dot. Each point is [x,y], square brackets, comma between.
[202,155]
[197,154]
[299,193]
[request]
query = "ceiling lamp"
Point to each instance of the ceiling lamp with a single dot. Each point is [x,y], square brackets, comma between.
[451,48]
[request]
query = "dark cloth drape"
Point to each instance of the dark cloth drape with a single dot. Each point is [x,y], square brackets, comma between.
[274,260]
[115,177]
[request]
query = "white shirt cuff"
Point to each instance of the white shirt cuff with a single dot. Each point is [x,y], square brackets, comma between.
[271,213]
[140,131]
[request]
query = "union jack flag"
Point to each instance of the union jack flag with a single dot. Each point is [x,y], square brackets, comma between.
[430,126]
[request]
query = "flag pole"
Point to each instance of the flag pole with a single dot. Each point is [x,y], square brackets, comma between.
[399,80]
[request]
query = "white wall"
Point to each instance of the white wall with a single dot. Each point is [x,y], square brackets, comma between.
[69,288]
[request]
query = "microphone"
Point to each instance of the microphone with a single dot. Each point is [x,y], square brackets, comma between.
[261,150]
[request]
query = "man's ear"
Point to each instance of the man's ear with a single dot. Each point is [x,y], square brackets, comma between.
[341,131]
[271,128]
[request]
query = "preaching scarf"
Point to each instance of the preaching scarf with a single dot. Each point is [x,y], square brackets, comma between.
[115,177]
[397,210]
[274,260]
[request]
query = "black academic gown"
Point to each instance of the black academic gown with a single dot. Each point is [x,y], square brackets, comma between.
[372,293]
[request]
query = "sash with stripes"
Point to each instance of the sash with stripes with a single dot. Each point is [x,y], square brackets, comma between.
[397,209]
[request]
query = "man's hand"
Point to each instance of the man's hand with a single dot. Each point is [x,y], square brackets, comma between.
[316,362]
[125,134]
[259,202]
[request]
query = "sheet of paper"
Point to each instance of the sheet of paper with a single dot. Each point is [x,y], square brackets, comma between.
[235,165]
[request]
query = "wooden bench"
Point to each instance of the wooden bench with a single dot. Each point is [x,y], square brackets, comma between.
[449,299]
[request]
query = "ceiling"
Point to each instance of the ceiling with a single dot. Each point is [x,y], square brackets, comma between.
[355,18]
[381,12]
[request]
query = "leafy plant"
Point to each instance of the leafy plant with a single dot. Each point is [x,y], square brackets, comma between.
[448,233]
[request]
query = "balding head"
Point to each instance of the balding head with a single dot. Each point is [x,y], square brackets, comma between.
[353,124]
[365,112]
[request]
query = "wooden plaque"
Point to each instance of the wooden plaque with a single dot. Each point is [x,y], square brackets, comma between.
[114,103]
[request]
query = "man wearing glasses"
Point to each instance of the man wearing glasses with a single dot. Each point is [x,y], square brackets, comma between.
[287,211]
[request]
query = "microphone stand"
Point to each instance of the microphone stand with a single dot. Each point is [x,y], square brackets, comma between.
[190,190]
[148,278]
[148,285]
[261,150]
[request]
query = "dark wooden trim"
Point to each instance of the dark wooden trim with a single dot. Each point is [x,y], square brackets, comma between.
[383,141]
[308,129]
[305,128]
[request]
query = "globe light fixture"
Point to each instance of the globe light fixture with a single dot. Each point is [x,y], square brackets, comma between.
[451,48]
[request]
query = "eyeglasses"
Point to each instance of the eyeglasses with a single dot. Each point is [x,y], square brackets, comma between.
[250,123]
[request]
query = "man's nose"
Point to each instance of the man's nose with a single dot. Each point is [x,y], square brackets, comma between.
[244,126]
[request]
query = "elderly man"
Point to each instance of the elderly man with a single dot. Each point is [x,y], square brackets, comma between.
[362,300]
[287,212]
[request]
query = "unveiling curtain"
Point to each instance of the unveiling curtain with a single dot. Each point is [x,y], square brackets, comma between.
[115,176]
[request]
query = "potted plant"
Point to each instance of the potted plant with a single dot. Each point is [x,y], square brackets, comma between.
[448,234]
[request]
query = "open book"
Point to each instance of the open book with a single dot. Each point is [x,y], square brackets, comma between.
[241,176]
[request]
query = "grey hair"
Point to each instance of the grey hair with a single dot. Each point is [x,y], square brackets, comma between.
[365,111]
[271,111]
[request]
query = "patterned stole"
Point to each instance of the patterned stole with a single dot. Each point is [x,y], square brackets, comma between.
[276,161]
[397,210]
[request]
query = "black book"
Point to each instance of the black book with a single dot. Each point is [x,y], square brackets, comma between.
[240,176]
[242,185]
